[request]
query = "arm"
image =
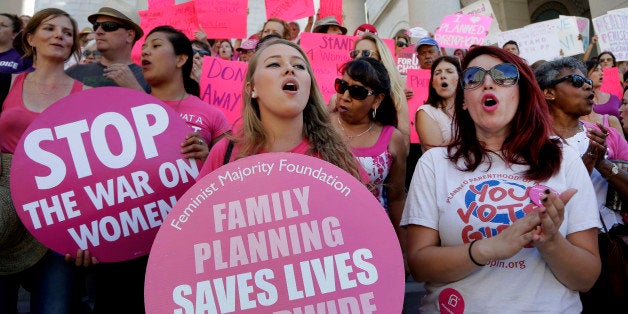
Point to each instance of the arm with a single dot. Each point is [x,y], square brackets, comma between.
[308,26]
[201,36]
[614,123]
[587,53]
[123,76]
[428,130]
[618,181]
[403,122]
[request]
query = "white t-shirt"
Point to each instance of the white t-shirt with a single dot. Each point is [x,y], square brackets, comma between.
[463,206]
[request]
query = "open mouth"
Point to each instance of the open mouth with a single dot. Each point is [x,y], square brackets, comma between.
[489,101]
[145,62]
[444,85]
[290,85]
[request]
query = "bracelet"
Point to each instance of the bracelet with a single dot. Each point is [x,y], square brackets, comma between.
[471,256]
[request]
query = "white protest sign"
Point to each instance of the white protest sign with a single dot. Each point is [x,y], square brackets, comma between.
[612,34]
[484,7]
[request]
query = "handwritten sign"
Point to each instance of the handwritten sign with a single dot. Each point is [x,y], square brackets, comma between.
[180,16]
[612,83]
[289,10]
[327,52]
[222,19]
[406,60]
[463,30]
[583,28]
[484,7]
[276,233]
[419,82]
[538,41]
[160,3]
[331,8]
[612,32]
[568,31]
[221,86]
[101,177]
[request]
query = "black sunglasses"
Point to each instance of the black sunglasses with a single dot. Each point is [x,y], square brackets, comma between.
[364,53]
[201,52]
[402,43]
[576,80]
[109,26]
[504,74]
[355,91]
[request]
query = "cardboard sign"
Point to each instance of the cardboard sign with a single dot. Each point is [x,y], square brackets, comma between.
[463,30]
[160,3]
[611,83]
[327,52]
[101,177]
[180,16]
[221,86]
[612,32]
[276,233]
[568,31]
[222,19]
[419,82]
[583,29]
[407,60]
[538,41]
[484,7]
[289,10]
[329,8]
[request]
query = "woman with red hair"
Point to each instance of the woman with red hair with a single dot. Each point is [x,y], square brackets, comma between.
[498,204]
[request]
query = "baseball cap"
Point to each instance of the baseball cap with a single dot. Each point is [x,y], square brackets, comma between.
[426,41]
[365,28]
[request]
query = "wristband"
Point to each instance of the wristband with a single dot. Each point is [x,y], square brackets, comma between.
[471,256]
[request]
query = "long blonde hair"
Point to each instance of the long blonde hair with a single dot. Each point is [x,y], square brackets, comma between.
[317,128]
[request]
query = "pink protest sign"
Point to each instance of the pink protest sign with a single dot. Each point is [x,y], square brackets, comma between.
[463,30]
[276,233]
[180,16]
[326,52]
[419,82]
[221,86]
[611,83]
[407,60]
[160,3]
[100,170]
[222,19]
[329,8]
[289,10]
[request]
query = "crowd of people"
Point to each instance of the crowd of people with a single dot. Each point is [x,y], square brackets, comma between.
[509,183]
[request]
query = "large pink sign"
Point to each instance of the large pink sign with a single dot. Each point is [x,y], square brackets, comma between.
[99,170]
[611,83]
[221,86]
[222,19]
[289,10]
[419,82]
[276,233]
[463,30]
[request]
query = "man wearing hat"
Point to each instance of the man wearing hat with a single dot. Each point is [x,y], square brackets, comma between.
[116,26]
[427,50]
[247,49]
[329,25]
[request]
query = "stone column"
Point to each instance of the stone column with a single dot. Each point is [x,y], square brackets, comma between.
[353,14]
[429,14]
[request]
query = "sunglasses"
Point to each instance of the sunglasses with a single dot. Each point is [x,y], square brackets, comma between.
[505,74]
[109,26]
[576,80]
[363,53]
[402,43]
[201,52]
[355,91]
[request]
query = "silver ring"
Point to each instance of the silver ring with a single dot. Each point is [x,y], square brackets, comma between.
[200,141]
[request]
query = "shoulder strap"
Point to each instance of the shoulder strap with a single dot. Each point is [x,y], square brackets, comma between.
[605,121]
[228,153]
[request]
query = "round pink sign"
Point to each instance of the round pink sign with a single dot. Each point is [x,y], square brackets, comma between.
[99,170]
[276,233]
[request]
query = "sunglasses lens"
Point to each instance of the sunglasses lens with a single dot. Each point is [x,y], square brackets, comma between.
[353,54]
[472,77]
[505,74]
[401,44]
[358,92]
[340,86]
[577,80]
[107,26]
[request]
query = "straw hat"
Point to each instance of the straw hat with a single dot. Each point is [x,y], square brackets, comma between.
[86,30]
[323,24]
[19,250]
[122,11]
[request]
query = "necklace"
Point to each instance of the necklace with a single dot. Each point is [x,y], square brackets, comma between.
[570,131]
[353,136]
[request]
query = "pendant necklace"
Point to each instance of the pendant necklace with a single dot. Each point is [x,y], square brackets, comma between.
[353,136]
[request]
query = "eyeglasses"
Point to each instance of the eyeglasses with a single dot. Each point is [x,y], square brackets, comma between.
[363,53]
[576,80]
[201,52]
[88,53]
[402,43]
[109,26]
[504,74]
[606,60]
[355,91]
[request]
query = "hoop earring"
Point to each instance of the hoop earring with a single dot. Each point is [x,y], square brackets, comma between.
[374,113]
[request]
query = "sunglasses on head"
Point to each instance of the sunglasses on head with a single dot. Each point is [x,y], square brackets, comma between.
[355,91]
[576,80]
[505,74]
[363,53]
[402,43]
[201,52]
[109,26]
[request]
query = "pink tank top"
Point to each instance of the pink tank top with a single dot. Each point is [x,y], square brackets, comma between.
[15,117]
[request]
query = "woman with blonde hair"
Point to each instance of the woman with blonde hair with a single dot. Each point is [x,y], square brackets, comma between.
[283,111]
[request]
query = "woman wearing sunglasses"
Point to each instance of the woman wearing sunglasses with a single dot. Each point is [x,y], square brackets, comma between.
[283,112]
[434,119]
[569,97]
[366,118]
[50,38]
[370,45]
[494,222]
